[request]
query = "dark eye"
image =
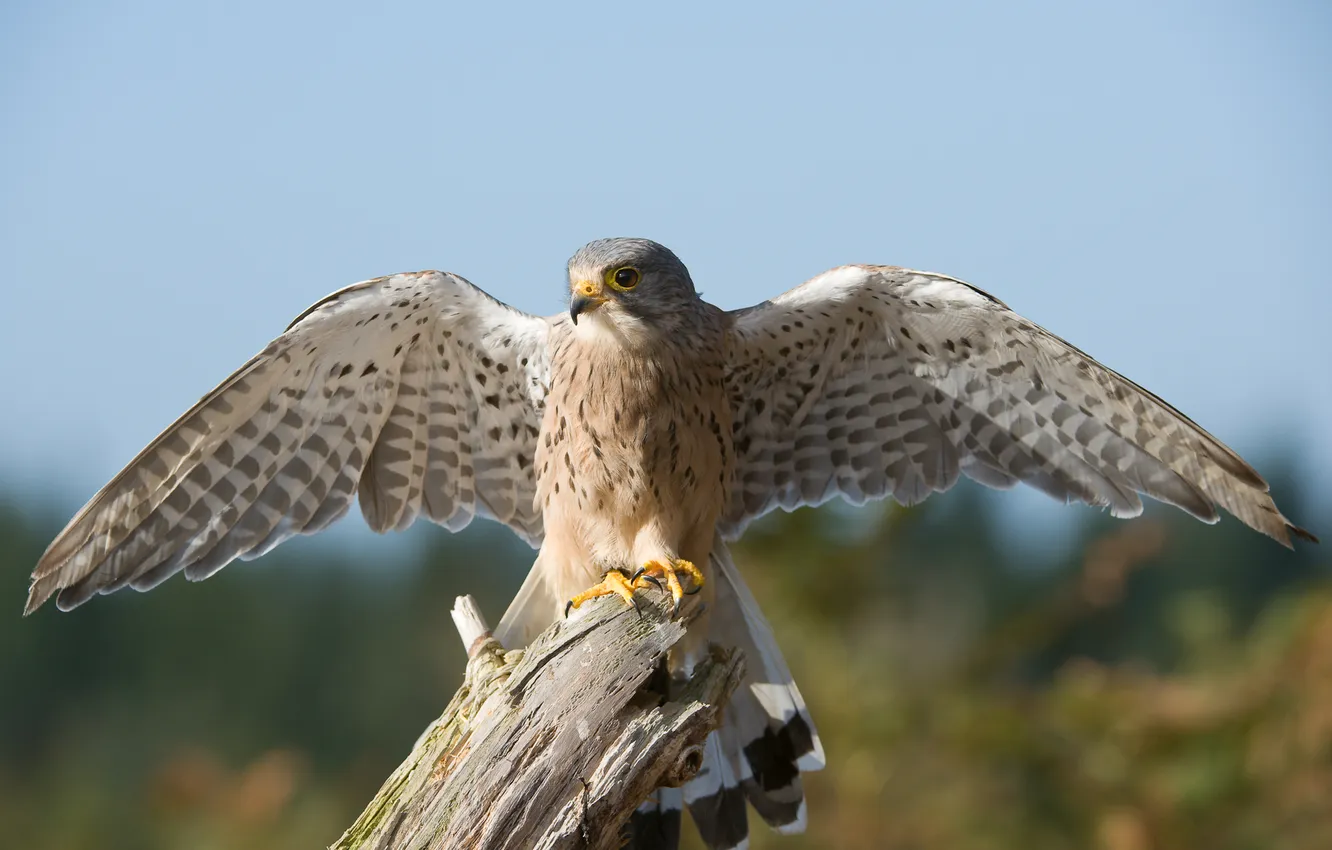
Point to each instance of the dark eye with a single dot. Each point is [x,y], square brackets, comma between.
[626,278]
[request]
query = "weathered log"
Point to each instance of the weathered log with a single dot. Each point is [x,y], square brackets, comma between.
[553,746]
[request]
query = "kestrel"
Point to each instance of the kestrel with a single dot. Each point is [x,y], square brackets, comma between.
[629,439]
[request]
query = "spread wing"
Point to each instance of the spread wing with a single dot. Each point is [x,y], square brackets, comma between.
[875,381]
[418,391]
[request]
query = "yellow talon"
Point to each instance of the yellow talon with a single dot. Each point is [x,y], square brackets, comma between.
[694,573]
[652,571]
[615,582]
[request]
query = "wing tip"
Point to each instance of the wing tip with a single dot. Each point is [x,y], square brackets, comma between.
[35,601]
[43,586]
[1285,532]
[1293,530]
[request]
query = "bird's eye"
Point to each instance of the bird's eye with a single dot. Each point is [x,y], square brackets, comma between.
[625,278]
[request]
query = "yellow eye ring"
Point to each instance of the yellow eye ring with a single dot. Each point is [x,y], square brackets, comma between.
[623,278]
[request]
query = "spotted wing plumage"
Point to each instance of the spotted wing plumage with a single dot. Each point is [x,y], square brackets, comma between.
[876,381]
[417,391]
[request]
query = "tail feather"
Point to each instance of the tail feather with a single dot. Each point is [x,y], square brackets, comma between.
[532,610]
[767,737]
[655,825]
[715,799]
[769,680]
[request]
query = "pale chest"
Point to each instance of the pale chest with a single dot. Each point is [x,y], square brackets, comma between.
[634,436]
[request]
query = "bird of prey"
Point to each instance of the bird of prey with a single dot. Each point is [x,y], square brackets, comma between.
[629,440]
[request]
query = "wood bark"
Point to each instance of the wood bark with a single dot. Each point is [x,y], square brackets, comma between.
[553,746]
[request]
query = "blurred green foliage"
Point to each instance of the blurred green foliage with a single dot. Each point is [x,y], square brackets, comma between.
[1163,684]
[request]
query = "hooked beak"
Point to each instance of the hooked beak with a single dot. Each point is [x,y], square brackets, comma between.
[587,296]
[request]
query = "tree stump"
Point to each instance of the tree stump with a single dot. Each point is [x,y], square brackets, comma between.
[553,746]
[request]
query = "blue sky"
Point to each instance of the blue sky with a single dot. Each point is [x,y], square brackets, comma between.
[1149,180]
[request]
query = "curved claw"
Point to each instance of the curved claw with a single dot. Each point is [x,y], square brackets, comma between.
[615,581]
[644,575]
[656,571]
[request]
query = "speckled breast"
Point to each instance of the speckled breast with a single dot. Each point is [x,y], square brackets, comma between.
[633,439]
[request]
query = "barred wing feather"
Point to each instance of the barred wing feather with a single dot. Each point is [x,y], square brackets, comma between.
[418,392]
[875,381]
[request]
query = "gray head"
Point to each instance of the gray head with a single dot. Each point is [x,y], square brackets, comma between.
[628,284]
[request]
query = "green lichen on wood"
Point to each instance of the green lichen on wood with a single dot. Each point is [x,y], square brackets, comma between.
[486,673]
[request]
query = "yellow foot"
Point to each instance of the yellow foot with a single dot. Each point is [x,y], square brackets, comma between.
[615,581]
[653,572]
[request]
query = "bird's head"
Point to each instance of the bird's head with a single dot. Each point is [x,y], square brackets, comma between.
[632,286]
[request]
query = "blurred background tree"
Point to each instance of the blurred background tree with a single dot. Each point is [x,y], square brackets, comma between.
[1154,684]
